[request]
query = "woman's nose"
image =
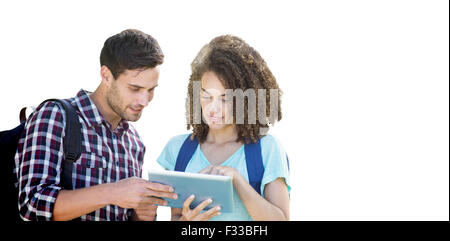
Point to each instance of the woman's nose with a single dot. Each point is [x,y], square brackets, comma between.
[216,106]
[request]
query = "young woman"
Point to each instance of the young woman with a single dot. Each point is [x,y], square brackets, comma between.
[229,134]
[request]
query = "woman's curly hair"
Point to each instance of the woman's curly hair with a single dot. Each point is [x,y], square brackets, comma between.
[238,66]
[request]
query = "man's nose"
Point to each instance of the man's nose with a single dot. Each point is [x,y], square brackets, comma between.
[144,99]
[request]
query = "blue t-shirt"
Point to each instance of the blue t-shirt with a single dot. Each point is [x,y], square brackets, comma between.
[273,156]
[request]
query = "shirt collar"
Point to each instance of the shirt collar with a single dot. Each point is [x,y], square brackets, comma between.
[91,114]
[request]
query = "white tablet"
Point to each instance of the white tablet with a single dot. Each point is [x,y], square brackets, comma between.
[203,186]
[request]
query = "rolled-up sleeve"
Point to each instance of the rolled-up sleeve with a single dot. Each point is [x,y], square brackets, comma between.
[38,162]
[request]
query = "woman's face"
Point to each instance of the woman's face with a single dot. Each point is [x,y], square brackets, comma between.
[216,108]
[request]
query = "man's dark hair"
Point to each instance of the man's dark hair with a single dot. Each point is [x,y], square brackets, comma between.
[130,49]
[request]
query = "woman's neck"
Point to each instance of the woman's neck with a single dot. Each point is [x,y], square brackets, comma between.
[224,135]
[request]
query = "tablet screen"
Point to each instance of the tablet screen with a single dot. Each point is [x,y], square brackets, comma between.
[203,186]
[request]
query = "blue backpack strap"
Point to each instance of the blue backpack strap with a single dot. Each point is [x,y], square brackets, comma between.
[185,154]
[253,158]
[255,166]
[287,158]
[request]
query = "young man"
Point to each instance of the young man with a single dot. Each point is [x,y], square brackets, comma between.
[107,183]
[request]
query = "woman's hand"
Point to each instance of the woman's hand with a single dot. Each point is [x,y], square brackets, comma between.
[194,215]
[222,171]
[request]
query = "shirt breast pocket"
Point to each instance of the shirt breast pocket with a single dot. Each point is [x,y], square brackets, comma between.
[90,170]
[91,160]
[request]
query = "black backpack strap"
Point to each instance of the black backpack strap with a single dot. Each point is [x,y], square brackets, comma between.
[71,142]
[22,116]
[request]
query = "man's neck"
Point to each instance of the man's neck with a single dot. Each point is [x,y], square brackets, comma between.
[99,99]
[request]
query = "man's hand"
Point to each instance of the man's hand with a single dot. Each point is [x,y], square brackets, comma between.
[140,195]
[144,214]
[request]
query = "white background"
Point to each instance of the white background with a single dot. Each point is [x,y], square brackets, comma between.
[366,87]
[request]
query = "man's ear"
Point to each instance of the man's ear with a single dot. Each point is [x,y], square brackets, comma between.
[107,76]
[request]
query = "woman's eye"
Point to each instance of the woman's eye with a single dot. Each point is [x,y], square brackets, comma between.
[207,97]
[227,100]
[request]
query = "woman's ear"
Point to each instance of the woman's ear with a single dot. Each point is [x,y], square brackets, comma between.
[106,75]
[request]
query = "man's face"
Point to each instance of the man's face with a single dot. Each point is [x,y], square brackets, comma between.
[131,92]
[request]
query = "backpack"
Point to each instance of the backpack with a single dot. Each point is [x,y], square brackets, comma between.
[8,146]
[253,158]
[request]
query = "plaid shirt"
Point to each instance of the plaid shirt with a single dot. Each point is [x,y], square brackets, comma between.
[107,156]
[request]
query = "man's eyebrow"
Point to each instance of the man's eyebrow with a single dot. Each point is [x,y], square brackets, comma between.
[137,86]
[140,87]
[210,93]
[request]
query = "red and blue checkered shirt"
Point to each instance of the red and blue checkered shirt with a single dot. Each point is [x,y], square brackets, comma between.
[107,156]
